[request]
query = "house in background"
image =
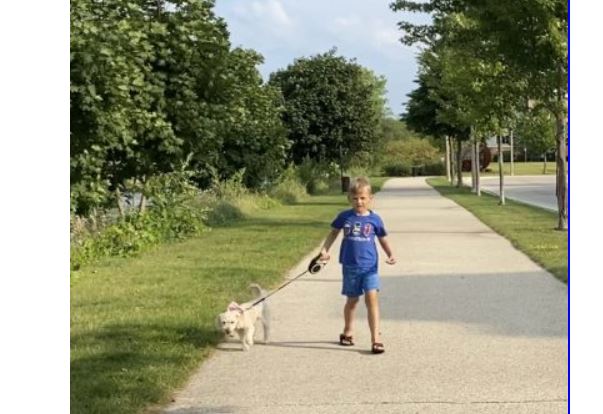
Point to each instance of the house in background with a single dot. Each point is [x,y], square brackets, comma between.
[488,152]
[492,145]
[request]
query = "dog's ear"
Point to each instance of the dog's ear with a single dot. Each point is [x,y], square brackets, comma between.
[234,306]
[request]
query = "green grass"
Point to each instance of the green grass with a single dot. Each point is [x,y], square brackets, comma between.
[522,168]
[140,326]
[377,183]
[530,229]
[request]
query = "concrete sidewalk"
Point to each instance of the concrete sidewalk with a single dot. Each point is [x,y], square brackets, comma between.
[470,325]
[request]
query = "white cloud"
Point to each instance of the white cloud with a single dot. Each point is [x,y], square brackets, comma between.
[386,36]
[271,12]
[282,30]
[346,21]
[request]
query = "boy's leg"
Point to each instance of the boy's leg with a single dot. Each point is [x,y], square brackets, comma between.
[348,315]
[371,299]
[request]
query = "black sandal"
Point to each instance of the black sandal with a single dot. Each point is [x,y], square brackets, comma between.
[377,348]
[346,340]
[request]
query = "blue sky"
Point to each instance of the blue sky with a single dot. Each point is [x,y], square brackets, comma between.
[282,30]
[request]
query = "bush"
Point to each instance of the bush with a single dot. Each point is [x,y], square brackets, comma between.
[318,177]
[177,209]
[223,212]
[436,168]
[413,151]
[229,200]
[174,213]
[323,186]
[397,170]
[289,189]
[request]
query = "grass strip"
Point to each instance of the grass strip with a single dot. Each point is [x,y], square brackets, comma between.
[530,229]
[141,325]
[522,168]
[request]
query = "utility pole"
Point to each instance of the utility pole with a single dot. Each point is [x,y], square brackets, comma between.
[512,153]
[501,175]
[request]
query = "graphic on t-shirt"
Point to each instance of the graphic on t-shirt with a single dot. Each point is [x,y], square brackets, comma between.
[356,231]
[366,229]
[347,229]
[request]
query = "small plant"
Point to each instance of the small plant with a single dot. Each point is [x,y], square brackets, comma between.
[289,189]
[402,156]
[175,212]
[318,177]
[397,169]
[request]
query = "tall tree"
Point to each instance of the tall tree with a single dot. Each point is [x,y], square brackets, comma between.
[116,130]
[332,107]
[432,108]
[536,132]
[151,84]
[529,37]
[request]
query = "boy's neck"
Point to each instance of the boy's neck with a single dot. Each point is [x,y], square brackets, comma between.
[366,213]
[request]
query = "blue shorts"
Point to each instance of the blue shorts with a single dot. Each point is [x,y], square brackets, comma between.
[358,280]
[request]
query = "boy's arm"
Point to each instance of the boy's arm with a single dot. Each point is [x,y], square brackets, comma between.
[385,245]
[324,252]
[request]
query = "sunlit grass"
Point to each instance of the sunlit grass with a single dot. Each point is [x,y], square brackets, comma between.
[140,326]
[522,168]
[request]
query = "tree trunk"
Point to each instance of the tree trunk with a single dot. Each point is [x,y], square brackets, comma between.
[459,164]
[448,160]
[501,175]
[478,190]
[561,155]
[544,166]
[453,159]
[93,220]
[512,153]
[142,205]
[473,172]
[120,207]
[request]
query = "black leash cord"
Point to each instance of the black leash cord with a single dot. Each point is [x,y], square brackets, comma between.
[277,289]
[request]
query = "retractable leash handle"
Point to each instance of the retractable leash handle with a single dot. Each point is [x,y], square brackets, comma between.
[316,265]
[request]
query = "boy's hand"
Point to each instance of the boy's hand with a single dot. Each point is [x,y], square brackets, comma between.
[324,256]
[390,260]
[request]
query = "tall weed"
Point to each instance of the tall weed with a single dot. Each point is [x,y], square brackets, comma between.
[174,212]
[289,189]
[319,177]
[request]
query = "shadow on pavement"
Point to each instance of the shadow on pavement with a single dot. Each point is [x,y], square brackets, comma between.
[512,304]
[334,346]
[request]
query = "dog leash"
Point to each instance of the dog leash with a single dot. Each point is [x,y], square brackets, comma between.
[314,267]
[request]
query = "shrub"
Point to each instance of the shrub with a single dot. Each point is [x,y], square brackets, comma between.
[397,170]
[289,189]
[229,200]
[318,177]
[412,152]
[174,213]
[223,212]
[436,168]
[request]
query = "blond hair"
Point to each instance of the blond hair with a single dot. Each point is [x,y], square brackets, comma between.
[358,184]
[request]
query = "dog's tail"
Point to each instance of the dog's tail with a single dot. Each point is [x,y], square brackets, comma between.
[257,290]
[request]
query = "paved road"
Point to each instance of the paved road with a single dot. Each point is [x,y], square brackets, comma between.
[470,325]
[538,190]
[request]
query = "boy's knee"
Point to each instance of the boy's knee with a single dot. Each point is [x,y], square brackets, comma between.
[353,300]
[371,296]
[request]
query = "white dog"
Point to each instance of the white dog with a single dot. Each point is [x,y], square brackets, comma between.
[242,318]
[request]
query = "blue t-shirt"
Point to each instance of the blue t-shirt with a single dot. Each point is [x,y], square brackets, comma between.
[358,246]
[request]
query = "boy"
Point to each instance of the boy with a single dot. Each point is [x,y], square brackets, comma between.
[359,259]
